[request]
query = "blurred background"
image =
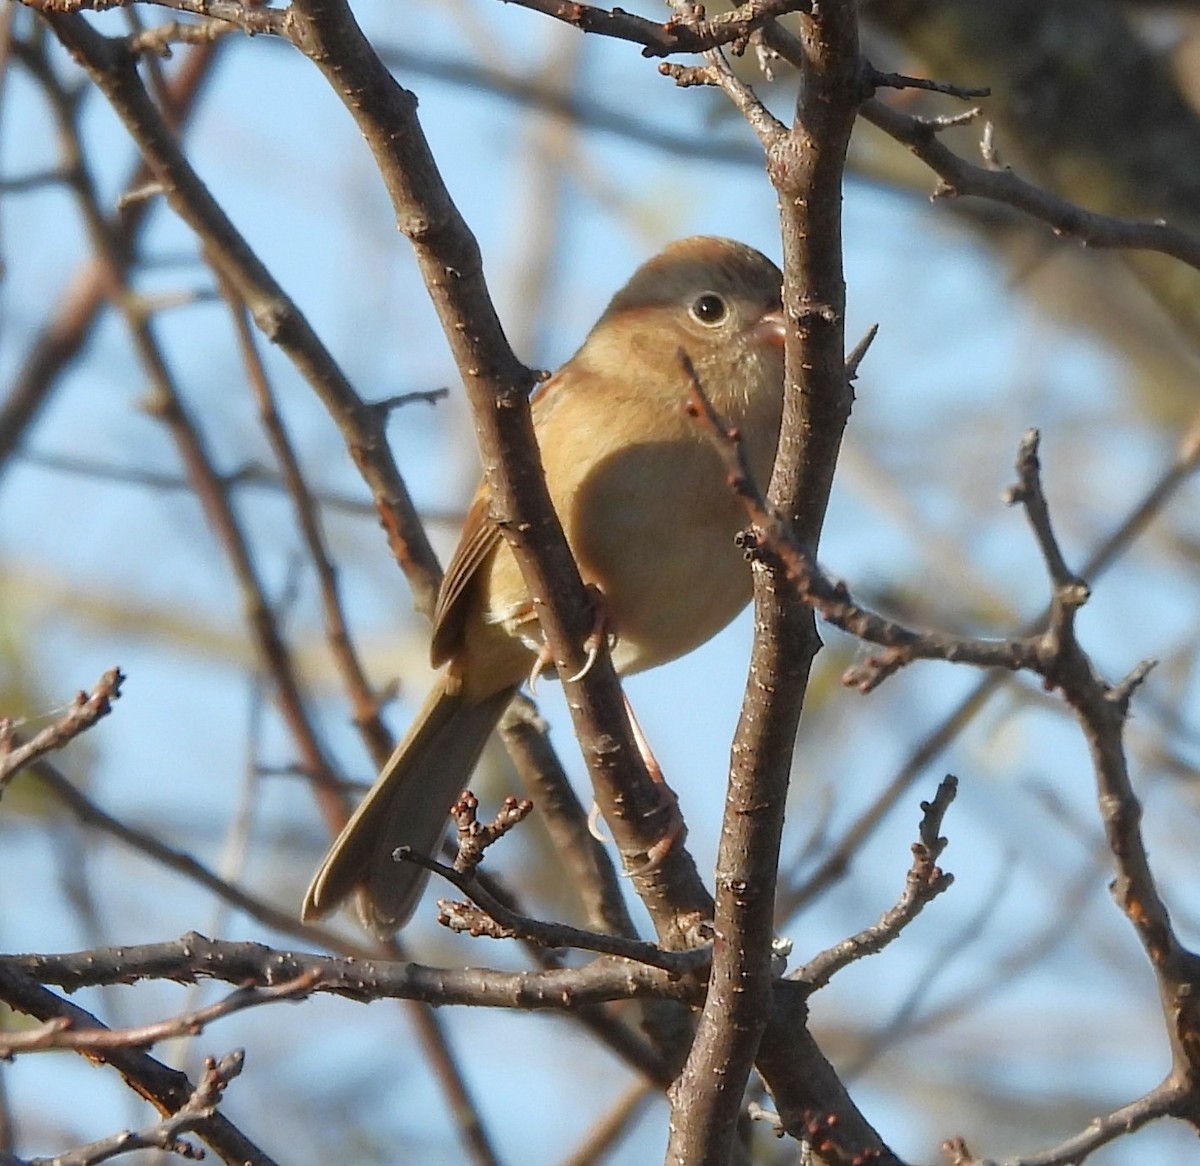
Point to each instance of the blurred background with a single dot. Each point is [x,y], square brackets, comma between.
[1019,1005]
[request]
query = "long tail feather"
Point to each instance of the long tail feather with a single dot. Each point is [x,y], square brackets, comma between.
[407,806]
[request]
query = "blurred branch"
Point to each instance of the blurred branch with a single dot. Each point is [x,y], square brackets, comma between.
[65,334]
[165,402]
[588,112]
[363,699]
[251,474]
[114,70]
[250,17]
[607,1133]
[89,814]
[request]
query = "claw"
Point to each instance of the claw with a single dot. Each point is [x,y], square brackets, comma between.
[543,660]
[596,825]
[599,633]
[592,644]
[597,636]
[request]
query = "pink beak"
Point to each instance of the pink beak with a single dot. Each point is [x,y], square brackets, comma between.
[771,329]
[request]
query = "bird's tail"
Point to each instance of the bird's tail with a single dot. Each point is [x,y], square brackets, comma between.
[407,806]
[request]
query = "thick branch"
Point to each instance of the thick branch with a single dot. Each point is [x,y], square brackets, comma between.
[194,957]
[806,167]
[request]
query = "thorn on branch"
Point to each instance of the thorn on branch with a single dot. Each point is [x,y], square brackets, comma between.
[758,1112]
[859,351]
[1122,693]
[142,193]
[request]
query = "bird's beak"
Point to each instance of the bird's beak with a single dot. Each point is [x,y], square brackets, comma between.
[771,329]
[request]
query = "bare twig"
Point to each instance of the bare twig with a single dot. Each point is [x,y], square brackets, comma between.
[168,1090]
[1166,1100]
[495,921]
[836,863]
[770,536]
[63,1033]
[924,883]
[879,80]
[167,1135]
[66,331]
[678,35]
[86,709]
[195,957]
[960,178]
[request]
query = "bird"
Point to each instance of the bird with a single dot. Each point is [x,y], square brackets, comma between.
[647,511]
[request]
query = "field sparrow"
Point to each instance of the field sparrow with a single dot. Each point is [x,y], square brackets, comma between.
[648,512]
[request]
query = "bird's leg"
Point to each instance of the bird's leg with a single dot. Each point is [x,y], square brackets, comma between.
[601,629]
[676,830]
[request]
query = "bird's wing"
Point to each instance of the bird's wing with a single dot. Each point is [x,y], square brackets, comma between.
[479,538]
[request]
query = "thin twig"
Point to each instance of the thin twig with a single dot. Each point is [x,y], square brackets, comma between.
[63,1033]
[925,881]
[86,709]
[962,178]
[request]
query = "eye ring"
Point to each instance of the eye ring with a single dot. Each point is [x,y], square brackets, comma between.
[709,309]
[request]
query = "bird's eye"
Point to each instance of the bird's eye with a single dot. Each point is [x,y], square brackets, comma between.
[709,309]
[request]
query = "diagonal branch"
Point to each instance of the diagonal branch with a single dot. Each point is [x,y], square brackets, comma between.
[498,385]
[113,68]
[86,709]
[168,1090]
[1000,184]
